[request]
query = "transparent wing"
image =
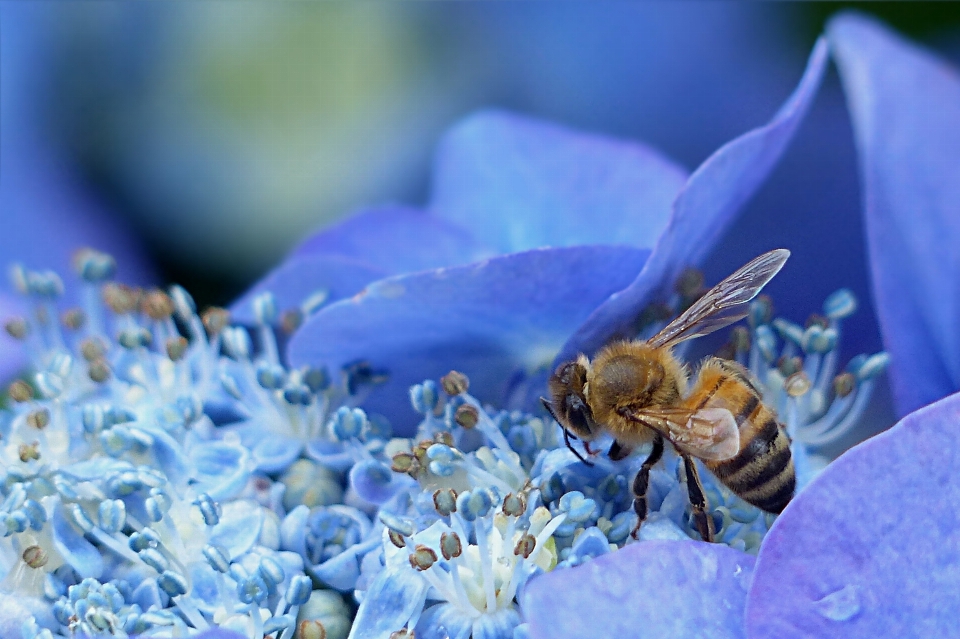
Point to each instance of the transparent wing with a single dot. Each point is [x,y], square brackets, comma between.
[723,304]
[710,434]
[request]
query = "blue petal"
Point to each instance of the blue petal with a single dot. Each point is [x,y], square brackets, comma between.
[518,184]
[905,105]
[300,277]
[275,453]
[396,239]
[341,572]
[220,468]
[663,589]
[486,320]
[293,530]
[374,482]
[871,548]
[331,454]
[239,527]
[79,553]
[16,609]
[702,211]
[392,599]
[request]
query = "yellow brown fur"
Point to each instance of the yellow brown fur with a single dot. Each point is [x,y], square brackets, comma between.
[632,374]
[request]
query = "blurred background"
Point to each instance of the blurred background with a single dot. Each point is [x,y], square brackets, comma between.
[200,141]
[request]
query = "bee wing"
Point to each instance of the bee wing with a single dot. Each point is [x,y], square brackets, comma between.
[710,433]
[723,304]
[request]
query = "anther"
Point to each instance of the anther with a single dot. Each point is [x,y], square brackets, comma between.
[35,557]
[120,298]
[99,370]
[215,319]
[789,365]
[396,539]
[405,463]
[311,629]
[467,416]
[27,452]
[450,545]
[20,391]
[514,505]
[455,383]
[445,502]
[93,265]
[176,347]
[761,311]
[525,545]
[92,348]
[73,318]
[157,305]
[740,339]
[403,634]
[17,328]
[423,557]
[797,384]
[290,320]
[39,419]
[843,384]
[443,437]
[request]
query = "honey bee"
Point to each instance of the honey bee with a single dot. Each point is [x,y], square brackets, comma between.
[637,392]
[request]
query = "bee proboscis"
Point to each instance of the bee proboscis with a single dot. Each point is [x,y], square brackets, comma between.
[637,392]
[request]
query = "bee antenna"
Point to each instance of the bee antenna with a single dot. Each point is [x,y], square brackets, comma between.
[546,404]
[566,438]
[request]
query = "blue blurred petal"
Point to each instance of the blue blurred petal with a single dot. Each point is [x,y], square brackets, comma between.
[703,210]
[871,547]
[301,277]
[341,572]
[652,589]
[486,320]
[16,609]
[79,553]
[46,212]
[519,183]
[293,530]
[905,105]
[396,239]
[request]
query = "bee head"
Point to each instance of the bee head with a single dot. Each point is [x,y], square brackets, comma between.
[568,400]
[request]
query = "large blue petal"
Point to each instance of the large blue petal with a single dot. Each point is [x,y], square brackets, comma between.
[702,212]
[239,527]
[871,548]
[519,183]
[392,599]
[300,277]
[397,239]
[486,320]
[651,589]
[905,105]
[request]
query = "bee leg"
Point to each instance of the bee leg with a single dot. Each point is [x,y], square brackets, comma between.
[566,438]
[702,520]
[618,451]
[642,481]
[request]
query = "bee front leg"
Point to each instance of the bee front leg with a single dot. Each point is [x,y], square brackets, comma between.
[702,520]
[642,481]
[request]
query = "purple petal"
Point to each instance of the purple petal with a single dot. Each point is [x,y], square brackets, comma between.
[519,183]
[396,239]
[905,105]
[871,548]
[651,589]
[302,276]
[486,319]
[703,210]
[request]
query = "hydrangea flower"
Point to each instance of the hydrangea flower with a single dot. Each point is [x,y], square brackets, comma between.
[839,561]
[559,278]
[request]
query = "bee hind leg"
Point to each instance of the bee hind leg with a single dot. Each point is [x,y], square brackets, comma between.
[642,481]
[702,519]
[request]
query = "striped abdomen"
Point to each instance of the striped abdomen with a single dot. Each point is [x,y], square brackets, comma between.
[762,472]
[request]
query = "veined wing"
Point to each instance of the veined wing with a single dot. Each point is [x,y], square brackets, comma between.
[710,433]
[723,304]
